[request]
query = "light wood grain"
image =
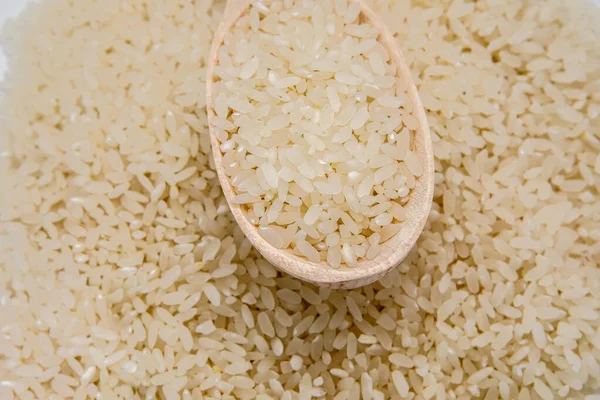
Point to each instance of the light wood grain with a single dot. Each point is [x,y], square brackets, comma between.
[395,249]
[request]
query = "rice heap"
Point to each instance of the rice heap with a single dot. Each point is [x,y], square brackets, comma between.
[123,275]
[316,129]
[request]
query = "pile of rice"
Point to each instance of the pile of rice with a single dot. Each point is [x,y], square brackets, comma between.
[123,275]
[316,129]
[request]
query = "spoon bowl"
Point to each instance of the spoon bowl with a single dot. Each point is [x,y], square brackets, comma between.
[394,250]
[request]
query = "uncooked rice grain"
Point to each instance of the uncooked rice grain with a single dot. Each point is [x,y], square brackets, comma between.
[103,107]
[331,139]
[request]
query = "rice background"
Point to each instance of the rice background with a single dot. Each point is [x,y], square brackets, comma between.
[288,292]
[8,9]
[12,8]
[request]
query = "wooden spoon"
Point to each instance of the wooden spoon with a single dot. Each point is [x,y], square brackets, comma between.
[396,248]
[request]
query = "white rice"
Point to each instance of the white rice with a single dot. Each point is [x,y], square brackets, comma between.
[99,298]
[314,143]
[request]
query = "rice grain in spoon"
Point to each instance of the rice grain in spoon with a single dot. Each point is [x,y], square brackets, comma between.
[320,140]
